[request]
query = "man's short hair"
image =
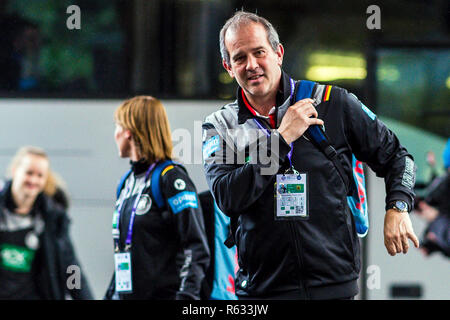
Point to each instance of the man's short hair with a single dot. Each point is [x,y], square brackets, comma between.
[242,18]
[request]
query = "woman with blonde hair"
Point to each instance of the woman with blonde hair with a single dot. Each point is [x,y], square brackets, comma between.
[35,248]
[160,244]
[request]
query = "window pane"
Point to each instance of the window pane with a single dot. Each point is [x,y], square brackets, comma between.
[40,54]
[414,87]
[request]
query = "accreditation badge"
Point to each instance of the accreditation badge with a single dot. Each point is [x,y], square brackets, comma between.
[122,262]
[291,196]
[115,225]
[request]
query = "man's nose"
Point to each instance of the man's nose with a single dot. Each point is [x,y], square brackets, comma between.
[252,63]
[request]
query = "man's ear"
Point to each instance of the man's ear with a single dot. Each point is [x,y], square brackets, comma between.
[228,68]
[280,54]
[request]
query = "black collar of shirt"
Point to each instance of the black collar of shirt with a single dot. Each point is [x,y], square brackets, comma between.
[11,205]
[139,167]
[283,93]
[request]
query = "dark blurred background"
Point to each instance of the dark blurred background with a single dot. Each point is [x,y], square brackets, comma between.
[169,48]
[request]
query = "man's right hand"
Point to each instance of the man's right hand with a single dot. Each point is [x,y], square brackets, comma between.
[297,120]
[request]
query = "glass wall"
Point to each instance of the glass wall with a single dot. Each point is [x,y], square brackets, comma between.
[413,86]
[170,48]
[41,56]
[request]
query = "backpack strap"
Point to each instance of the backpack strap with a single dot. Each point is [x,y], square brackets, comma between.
[319,138]
[303,89]
[316,134]
[356,191]
[230,241]
[121,183]
[155,183]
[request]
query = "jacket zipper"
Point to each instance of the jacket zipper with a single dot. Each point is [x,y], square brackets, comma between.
[299,257]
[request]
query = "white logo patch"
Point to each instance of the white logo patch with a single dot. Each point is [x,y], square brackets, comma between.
[144,205]
[31,240]
[179,184]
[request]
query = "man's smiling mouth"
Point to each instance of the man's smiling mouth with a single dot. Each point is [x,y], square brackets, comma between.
[255,77]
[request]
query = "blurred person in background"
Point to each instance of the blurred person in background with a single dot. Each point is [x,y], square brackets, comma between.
[20,50]
[160,233]
[431,163]
[435,209]
[35,248]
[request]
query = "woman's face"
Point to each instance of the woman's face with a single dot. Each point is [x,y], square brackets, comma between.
[30,175]
[123,141]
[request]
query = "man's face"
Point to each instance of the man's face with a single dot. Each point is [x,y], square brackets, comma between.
[253,62]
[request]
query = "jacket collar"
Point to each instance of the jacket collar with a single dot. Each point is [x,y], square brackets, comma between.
[284,92]
[139,167]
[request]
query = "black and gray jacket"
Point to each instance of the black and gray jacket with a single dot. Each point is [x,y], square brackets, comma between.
[55,260]
[169,252]
[318,258]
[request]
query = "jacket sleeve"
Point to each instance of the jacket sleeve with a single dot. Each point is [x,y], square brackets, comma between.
[372,142]
[182,201]
[237,184]
[75,282]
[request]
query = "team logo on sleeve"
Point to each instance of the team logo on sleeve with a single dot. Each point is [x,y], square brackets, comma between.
[179,184]
[183,200]
[368,111]
[211,146]
[144,205]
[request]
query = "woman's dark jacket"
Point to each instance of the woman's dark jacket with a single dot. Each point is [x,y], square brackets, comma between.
[56,254]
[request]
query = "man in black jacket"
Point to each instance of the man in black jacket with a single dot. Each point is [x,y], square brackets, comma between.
[303,246]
